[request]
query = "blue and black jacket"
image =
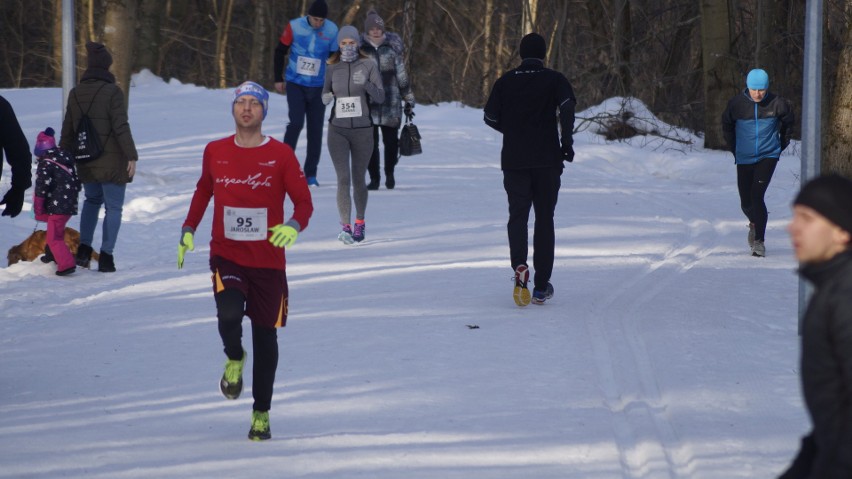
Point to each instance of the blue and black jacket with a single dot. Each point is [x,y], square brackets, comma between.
[757,130]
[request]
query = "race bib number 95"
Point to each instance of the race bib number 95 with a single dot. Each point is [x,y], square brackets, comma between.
[245,224]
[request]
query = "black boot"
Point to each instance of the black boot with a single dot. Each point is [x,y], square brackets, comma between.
[83,256]
[374,183]
[389,181]
[106,263]
[48,256]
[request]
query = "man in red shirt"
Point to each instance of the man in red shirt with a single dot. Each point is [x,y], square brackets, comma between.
[248,175]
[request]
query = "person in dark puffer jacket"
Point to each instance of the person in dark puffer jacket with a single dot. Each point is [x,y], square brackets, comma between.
[821,231]
[386,50]
[104,179]
[757,125]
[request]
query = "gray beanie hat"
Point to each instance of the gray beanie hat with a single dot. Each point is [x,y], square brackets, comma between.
[373,21]
[348,32]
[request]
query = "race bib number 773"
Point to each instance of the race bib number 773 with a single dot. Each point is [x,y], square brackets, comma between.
[245,224]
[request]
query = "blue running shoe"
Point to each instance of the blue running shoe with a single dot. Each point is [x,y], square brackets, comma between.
[312,181]
[345,236]
[539,297]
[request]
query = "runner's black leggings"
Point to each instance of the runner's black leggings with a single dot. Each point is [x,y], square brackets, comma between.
[752,182]
[230,308]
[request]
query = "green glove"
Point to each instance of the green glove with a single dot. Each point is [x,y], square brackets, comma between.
[186,243]
[283,235]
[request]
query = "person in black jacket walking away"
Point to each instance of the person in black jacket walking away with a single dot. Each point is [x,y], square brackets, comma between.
[523,106]
[821,231]
[757,125]
[17,151]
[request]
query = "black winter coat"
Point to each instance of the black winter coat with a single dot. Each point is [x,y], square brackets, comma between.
[57,182]
[826,368]
[14,144]
[523,105]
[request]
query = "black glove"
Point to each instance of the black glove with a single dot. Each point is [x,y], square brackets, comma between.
[408,109]
[14,201]
[567,153]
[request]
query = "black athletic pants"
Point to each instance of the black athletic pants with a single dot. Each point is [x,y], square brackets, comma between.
[752,182]
[390,138]
[230,308]
[537,188]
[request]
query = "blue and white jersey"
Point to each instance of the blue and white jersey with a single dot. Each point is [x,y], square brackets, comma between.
[309,50]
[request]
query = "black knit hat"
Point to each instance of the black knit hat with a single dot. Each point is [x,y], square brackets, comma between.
[98,56]
[830,196]
[318,9]
[533,46]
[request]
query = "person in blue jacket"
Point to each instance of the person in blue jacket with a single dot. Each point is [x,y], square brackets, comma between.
[306,44]
[757,125]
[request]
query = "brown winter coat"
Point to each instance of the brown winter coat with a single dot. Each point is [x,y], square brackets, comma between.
[109,117]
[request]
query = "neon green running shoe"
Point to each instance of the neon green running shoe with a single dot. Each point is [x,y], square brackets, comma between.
[259,426]
[231,383]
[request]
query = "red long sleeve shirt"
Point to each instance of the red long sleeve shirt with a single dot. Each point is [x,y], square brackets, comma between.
[248,187]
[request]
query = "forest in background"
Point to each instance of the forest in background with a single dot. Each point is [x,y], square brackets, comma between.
[683,58]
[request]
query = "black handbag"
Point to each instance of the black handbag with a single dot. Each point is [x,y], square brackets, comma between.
[409,139]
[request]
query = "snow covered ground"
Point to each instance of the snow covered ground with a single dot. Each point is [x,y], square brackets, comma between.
[667,351]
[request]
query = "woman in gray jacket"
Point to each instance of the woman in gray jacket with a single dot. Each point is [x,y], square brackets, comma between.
[352,82]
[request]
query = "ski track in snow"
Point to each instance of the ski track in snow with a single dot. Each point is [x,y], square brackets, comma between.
[648,445]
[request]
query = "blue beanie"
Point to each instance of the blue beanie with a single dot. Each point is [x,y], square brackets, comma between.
[255,90]
[757,80]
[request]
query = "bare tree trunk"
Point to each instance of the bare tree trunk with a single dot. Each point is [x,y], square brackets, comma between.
[837,156]
[148,49]
[487,74]
[120,38]
[258,70]
[719,69]
[353,9]
[528,18]
[223,25]
[409,21]
[622,37]
[56,36]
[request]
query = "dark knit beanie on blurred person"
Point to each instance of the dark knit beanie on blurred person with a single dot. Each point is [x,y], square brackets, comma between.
[533,46]
[318,9]
[98,56]
[44,141]
[373,21]
[830,196]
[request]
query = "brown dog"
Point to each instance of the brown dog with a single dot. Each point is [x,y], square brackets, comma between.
[33,247]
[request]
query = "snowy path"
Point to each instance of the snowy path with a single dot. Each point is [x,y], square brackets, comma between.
[667,352]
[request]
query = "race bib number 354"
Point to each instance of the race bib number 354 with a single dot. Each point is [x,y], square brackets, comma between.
[348,107]
[245,224]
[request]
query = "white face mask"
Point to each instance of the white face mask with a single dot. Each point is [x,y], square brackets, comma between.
[349,53]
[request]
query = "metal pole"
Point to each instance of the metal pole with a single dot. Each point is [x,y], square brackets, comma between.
[811,114]
[69,60]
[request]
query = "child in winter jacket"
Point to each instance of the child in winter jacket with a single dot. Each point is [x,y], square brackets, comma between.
[55,198]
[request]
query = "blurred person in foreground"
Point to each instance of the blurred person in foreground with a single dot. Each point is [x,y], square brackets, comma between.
[14,146]
[821,231]
[248,175]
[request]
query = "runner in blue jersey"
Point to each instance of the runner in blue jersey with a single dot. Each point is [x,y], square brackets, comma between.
[306,43]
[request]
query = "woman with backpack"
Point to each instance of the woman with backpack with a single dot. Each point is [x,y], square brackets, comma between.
[105,175]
